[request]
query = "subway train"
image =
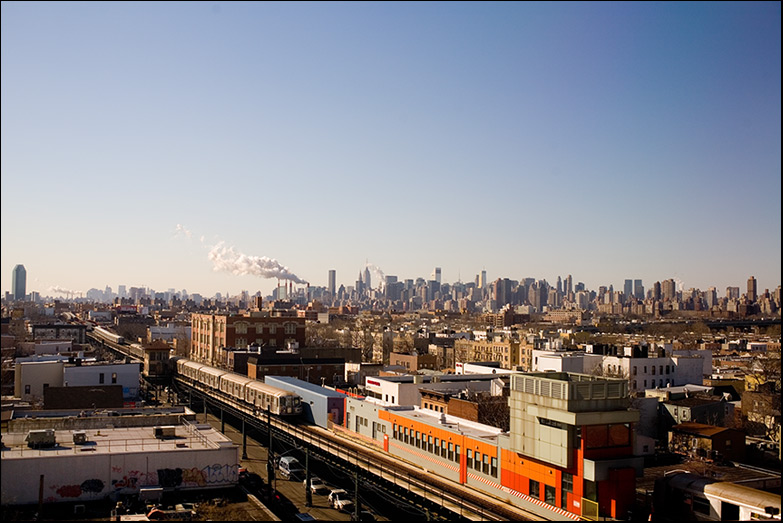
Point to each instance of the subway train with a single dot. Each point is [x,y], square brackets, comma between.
[249,390]
[108,335]
[685,496]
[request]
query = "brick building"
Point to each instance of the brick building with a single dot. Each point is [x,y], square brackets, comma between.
[212,332]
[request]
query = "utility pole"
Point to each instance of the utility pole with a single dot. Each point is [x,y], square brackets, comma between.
[308,490]
[270,461]
[244,439]
[356,493]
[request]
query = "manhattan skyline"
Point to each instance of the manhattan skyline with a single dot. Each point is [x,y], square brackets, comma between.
[149,145]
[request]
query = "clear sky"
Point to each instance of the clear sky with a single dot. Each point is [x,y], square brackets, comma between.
[148,144]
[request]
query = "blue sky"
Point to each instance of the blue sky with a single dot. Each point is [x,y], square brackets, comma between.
[602,140]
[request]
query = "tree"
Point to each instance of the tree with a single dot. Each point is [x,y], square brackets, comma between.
[761,400]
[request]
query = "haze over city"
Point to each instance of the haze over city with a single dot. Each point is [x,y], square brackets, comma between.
[216,146]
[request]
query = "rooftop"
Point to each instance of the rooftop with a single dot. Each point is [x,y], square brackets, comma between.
[452,423]
[699,428]
[115,440]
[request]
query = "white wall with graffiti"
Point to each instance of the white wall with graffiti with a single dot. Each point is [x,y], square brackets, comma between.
[92,477]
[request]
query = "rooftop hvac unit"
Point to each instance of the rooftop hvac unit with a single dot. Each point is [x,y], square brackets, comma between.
[168,431]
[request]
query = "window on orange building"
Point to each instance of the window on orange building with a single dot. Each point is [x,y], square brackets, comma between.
[594,436]
[534,486]
[550,494]
[568,482]
[619,435]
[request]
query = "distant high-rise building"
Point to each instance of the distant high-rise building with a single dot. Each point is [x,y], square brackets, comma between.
[436,274]
[711,297]
[569,287]
[19,282]
[483,280]
[367,280]
[332,282]
[502,292]
[732,293]
[628,289]
[559,285]
[638,289]
[657,293]
[752,294]
[669,289]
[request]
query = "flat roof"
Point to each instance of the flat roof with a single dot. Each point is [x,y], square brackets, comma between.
[453,423]
[118,440]
[102,412]
[444,378]
[304,385]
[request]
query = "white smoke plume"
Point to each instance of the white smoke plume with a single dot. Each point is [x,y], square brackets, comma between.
[226,259]
[56,289]
[182,229]
[377,274]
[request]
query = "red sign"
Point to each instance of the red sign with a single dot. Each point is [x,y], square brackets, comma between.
[373,382]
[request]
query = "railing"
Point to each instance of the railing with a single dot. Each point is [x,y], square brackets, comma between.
[114,445]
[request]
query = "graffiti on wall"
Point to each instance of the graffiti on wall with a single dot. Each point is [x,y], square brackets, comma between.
[90,486]
[217,474]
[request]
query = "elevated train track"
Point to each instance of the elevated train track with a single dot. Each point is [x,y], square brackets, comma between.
[411,482]
[437,496]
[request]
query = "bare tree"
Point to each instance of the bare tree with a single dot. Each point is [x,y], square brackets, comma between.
[761,402]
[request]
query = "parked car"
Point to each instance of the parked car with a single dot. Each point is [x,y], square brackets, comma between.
[317,486]
[340,500]
[290,467]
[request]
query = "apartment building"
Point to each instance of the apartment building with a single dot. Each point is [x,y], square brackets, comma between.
[212,332]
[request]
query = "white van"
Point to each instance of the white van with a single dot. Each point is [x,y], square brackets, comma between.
[290,467]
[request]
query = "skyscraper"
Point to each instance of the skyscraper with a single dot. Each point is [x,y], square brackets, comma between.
[711,297]
[669,289]
[332,282]
[628,289]
[638,289]
[19,282]
[367,281]
[752,294]
[436,274]
[483,280]
[657,293]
